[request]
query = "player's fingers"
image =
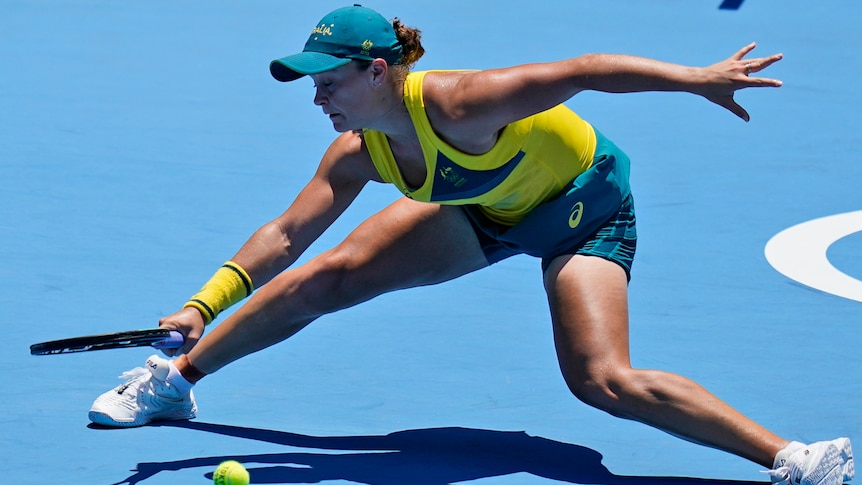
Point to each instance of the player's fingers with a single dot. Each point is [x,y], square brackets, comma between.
[186,347]
[761,63]
[764,82]
[731,105]
[739,111]
[744,51]
[163,323]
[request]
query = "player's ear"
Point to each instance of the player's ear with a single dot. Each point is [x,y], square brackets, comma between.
[378,70]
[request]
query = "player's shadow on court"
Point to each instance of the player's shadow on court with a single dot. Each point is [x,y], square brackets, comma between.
[413,457]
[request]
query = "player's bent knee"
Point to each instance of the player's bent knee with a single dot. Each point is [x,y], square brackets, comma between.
[334,281]
[606,391]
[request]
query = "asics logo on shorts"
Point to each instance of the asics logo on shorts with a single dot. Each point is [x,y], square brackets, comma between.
[575,216]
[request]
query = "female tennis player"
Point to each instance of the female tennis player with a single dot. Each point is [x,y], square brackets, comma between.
[491,164]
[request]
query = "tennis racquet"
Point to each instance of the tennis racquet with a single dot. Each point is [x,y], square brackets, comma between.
[159,338]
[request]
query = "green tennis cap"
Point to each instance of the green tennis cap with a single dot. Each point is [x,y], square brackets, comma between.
[348,33]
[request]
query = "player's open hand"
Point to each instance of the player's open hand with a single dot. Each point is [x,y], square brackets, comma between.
[724,78]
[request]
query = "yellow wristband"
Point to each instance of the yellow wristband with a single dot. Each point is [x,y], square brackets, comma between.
[229,285]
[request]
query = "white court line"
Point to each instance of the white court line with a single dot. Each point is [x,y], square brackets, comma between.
[799,252]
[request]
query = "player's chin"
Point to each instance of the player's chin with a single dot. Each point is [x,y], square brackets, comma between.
[341,124]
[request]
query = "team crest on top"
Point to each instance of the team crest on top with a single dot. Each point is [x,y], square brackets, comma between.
[450,175]
[366,47]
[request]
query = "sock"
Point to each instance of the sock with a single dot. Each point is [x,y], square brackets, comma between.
[176,380]
[188,371]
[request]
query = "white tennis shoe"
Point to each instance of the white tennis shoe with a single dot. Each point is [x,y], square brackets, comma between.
[146,396]
[821,463]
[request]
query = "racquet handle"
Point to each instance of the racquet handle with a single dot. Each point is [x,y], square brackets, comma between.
[174,341]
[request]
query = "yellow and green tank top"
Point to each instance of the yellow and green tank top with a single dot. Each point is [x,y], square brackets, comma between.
[533,159]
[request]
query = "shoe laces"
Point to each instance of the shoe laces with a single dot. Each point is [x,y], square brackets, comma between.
[131,377]
[779,476]
[146,385]
[133,374]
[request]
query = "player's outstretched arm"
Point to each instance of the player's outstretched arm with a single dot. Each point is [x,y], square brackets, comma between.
[343,172]
[482,102]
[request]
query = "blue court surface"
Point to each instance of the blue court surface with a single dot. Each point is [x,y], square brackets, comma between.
[142,142]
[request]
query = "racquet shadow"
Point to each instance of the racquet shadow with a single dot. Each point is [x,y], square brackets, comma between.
[432,456]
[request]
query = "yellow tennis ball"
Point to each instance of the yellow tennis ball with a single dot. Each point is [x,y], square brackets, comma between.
[231,472]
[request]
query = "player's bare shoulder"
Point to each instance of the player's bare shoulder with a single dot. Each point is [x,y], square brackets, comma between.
[441,92]
[348,159]
[461,111]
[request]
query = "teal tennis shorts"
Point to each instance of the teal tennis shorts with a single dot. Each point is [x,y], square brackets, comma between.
[593,215]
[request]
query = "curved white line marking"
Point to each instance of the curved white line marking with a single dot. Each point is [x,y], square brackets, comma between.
[799,253]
